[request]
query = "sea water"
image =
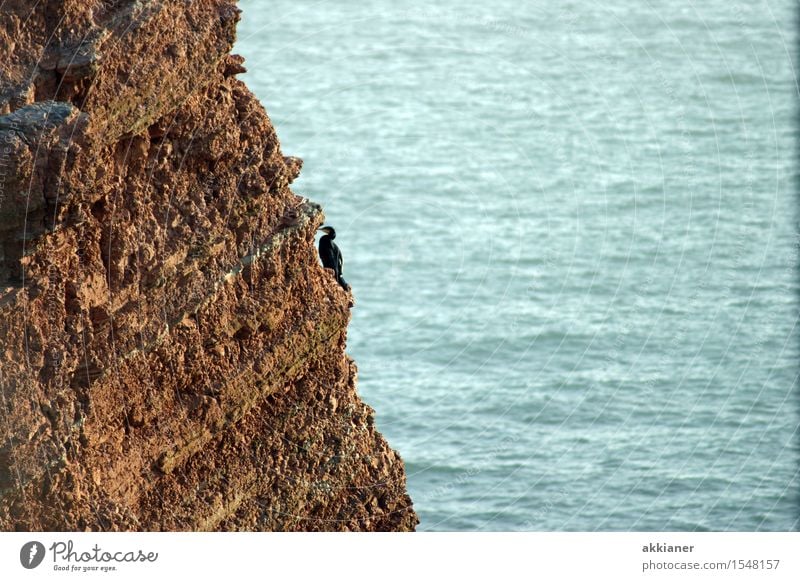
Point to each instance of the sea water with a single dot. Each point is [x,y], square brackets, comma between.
[571,233]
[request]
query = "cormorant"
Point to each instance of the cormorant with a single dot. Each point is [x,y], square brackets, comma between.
[331,255]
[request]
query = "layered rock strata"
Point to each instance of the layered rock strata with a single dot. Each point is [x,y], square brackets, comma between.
[172,355]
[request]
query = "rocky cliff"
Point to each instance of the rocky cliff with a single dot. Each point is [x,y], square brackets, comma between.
[172,355]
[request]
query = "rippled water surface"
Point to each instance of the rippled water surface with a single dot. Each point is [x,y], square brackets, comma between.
[571,232]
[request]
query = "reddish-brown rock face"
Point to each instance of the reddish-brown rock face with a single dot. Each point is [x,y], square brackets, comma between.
[171,351]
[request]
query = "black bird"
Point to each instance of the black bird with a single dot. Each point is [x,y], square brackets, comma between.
[331,255]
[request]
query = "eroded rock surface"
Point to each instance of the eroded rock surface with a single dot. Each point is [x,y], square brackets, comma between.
[172,355]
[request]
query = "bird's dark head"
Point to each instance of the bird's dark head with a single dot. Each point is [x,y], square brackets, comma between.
[329,231]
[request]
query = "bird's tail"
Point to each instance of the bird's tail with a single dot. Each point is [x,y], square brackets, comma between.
[344,284]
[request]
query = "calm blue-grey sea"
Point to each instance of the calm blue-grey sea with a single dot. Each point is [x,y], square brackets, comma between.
[571,232]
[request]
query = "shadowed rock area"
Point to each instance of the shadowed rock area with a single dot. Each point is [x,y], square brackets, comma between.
[172,355]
